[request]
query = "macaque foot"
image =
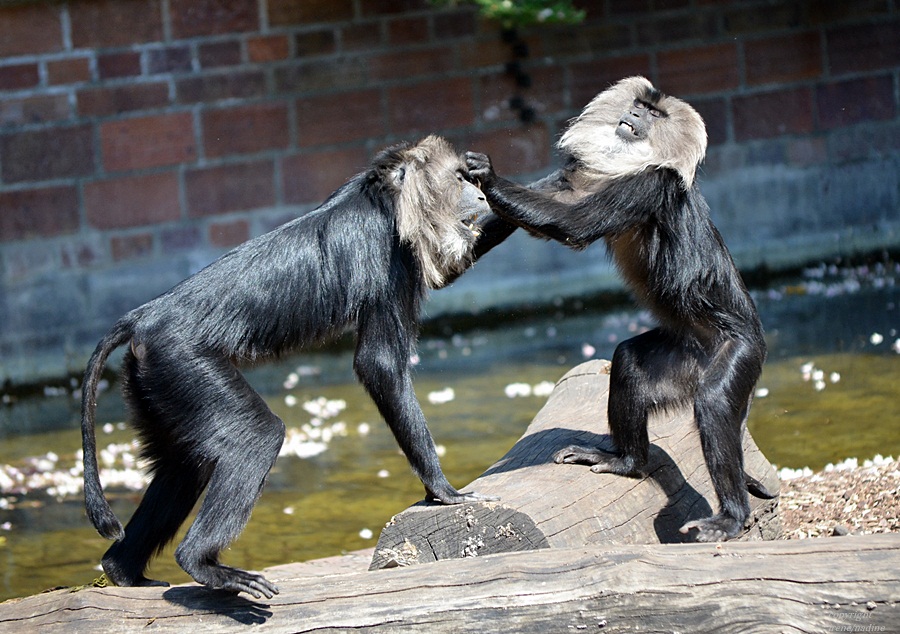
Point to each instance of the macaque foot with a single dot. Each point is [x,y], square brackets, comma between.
[456,497]
[123,579]
[601,461]
[717,528]
[574,454]
[138,582]
[219,577]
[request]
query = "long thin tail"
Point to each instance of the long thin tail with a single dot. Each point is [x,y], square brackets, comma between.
[98,509]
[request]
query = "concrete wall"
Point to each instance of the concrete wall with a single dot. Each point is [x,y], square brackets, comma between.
[139,139]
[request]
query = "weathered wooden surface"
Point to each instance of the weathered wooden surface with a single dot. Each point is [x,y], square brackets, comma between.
[545,505]
[815,585]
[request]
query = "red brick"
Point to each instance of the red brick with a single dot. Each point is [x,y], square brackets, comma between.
[407,30]
[245,130]
[586,40]
[47,154]
[844,103]
[123,64]
[520,150]
[131,247]
[148,141]
[229,234]
[771,114]
[68,71]
[360,37]
[171,59]
[132,201]
[433,61]
[39,109]
[784,15]
[482,53]
[714,113]
[268,48]
[430,106]
[325,74]
[109,23]
[232,85]
[290,12]
[455,24]
[191,18]
[372,8]
[319,42]
[126,98]
[831,12]
[668,29]
[591,78]
[663,5]
[51,211]
[629,7]
[311,178]
[216,54]
[783,59]
[29,30]
[227,188]
[596,10]
[698,70]
[18,76]
[864,48]
[341,117]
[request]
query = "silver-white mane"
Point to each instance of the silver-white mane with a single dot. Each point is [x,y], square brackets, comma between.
[677,141]
[427,209]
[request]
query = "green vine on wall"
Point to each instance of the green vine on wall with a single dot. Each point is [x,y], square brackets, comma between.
[516,13]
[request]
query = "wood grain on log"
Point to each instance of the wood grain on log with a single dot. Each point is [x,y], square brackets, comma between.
[847,584]
[545,505]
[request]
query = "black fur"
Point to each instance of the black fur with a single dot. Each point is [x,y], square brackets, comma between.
[201,425]
[708,349]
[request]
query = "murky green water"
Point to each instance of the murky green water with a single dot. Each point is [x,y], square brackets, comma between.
[328,503]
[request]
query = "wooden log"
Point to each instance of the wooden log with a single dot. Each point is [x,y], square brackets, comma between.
[840,584]
[545,505]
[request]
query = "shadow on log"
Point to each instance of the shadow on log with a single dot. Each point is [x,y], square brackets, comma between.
[545,505]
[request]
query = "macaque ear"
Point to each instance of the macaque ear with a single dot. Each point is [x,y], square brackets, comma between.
[397,175]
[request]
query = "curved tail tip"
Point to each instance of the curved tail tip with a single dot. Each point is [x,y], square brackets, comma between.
[757,489]
[108,526]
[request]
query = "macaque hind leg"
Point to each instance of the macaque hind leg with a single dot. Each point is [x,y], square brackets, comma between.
[234,432]
[648,372]
[721,406]
[173,491]
[222,516]
[166,504]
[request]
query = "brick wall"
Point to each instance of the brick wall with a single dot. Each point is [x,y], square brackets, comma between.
[141,138]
